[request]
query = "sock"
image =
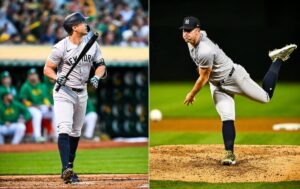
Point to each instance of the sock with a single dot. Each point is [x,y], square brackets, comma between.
[270,78]
[73,147]
[228,131]
[64,149]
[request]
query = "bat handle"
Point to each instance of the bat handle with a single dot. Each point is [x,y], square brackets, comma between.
[57,87]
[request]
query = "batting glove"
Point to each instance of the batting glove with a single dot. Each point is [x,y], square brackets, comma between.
[95,81]
[61,80]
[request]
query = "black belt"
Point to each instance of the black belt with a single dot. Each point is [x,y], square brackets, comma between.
[221,82]
[77,90]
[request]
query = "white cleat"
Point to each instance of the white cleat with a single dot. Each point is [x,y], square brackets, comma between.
[283,53]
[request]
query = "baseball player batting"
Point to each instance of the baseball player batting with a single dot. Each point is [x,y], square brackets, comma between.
[70,100]
[227,79]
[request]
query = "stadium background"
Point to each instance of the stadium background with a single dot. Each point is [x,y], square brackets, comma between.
[246,31]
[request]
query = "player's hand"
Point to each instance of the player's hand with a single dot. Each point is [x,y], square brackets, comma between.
[95,81]
[189,99]
[61,80]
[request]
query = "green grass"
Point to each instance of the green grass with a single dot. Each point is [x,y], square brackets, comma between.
[114,160]
[169,97]
[194,185]
[165,138]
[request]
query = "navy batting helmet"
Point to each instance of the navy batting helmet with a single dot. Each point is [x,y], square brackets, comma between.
[72,20]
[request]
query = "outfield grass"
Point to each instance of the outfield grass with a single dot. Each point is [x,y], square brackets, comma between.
[194,185]
[114,160]
[173,138]
[169,97]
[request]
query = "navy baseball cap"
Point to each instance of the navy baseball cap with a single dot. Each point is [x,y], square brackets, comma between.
[190,23]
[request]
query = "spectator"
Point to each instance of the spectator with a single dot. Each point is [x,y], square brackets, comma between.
[10,122]
[40,22]
[90,120]
[33,95]
[7,29]
[126,13]
[6,84]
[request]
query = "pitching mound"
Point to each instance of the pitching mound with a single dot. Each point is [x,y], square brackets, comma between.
[201,163]
[107,181]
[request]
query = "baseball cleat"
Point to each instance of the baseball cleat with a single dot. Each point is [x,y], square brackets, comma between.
[74,178]
[283,53]
[229,158]
[67,175]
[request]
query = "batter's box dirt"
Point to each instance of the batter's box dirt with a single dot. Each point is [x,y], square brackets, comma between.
[107,181]
[201,163]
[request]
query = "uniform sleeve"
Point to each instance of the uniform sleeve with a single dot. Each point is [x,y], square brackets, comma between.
[56,55]
[90,107]
[98,55]
[206,60]
[1,115]
[23,92]
[24,111]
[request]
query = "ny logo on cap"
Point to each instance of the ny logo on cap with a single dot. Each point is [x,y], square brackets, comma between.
[187,21]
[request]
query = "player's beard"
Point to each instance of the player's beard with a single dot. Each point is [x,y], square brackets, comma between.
[188,40]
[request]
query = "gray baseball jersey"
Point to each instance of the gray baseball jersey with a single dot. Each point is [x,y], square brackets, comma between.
[65,53]
[207,54]
[70,106]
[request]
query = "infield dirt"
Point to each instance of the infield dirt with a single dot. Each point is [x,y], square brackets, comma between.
[107,181]
[201,163]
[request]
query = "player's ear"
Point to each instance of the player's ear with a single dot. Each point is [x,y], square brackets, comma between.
[74,27]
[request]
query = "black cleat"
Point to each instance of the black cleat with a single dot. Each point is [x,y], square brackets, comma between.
[75,178]
[67,175]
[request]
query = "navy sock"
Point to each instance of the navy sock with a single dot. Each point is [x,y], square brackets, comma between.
[73,147]
[228,131]
[64,149]
[270,78]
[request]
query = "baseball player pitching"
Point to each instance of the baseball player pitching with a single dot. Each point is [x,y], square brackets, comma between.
[227,79]
[70,101]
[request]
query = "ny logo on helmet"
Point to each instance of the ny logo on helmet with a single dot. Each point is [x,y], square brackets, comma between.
[187,21]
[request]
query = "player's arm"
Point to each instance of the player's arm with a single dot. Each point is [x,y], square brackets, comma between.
[49,70]
[100,68]
[204,74]
[23,95]
[100,72]
[24,111]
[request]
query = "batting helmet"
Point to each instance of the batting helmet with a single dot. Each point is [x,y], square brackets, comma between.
[72,20]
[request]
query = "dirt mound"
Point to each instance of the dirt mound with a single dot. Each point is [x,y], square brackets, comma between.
[201,163]
[107,181]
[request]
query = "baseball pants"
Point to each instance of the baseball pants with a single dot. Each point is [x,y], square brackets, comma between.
[70,108]
[239,83]
[15,129]
[90,122]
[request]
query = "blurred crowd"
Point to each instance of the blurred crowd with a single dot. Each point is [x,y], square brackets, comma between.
[28,111]
[120,22]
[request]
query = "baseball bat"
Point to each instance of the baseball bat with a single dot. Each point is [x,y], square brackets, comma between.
[84,50]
